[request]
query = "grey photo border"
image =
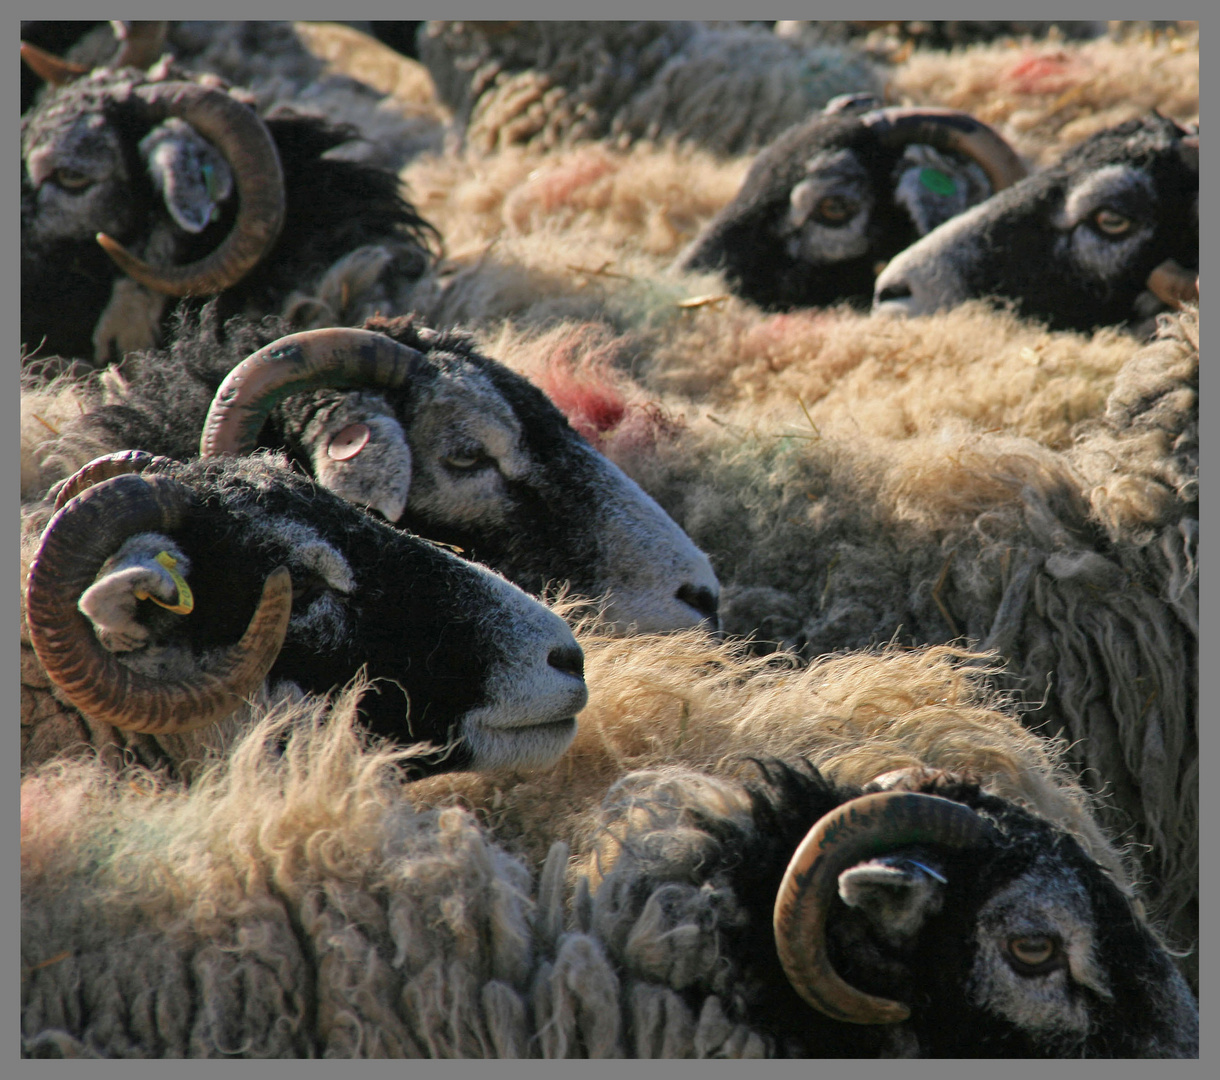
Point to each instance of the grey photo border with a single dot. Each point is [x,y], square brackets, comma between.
[512,1070]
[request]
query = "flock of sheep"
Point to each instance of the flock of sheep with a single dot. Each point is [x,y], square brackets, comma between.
[610,540]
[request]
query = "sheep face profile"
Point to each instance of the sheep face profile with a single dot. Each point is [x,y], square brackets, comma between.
[921,917]
[472,454]
[832,198]
[1078,244]
[136,188]
[445,442]
[465,655]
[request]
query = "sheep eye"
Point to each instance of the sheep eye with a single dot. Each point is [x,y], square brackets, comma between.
[1111,222]
[71,179]
[468,461]
[1033,954]
[835,210]
[306,590]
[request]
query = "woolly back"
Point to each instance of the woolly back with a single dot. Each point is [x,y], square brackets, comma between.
[684,699]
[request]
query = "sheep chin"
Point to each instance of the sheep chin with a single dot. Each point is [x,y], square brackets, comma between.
[532,746]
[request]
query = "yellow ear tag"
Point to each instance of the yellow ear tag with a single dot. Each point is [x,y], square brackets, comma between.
[186,598]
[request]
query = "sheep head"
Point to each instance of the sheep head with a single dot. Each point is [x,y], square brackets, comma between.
[479,665]
[458,448]
[1076,244]
[832,198]
[920,915]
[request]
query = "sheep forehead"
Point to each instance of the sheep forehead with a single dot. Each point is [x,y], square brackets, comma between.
[1049,899]
[87,144]
[834,168]
[306,550]
[1111,182]
[467,404]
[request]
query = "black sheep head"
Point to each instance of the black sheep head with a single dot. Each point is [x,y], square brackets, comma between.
[918,917]
[1075,245]
[832,199]
[164,568]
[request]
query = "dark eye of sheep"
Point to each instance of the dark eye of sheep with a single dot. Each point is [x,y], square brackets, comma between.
[1034,954]
[835,210]
[305,590]
[71,179]
[1111,222]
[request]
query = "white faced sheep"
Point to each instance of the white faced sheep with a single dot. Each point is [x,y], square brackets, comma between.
[842,193]
[431,434]
[469,662]
[1079,244]
[730,89]
[195,194]
[294,903]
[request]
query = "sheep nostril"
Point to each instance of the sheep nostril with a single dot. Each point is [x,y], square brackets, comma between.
[569,659]
[703,600]
[898,291]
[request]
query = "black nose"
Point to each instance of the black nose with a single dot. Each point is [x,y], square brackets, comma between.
[703,600]
[568,659]
[898,291]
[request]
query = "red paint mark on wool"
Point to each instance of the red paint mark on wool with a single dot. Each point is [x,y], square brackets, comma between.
[579,376]
[592,405]
[1048,73]
[553,187]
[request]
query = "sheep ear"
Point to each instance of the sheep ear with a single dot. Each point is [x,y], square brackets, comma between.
[366,460]
[148,566]
[188,173]
[895,892]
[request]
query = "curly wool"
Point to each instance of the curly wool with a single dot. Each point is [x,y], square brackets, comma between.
[729,89]
[292,902]
[289,905]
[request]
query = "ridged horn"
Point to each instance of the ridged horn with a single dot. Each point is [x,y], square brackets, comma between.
[77,541]
[1173,284]
[950,129]
[340,357]
[246,144]
[860,829]
[49,67]
[103,468]
[141,43]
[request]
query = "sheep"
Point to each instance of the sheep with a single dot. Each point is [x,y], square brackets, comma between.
[430,434]
[833,198]
[293,903]
[152,162]
[728,89]
[469,663]
[1078,245]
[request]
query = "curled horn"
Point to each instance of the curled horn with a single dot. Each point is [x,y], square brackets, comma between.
[341,357]
[49,67]
[141,43]
[103,468]
[246,144]
[950,129]
[77,541]
[1174,285]
[859,829]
